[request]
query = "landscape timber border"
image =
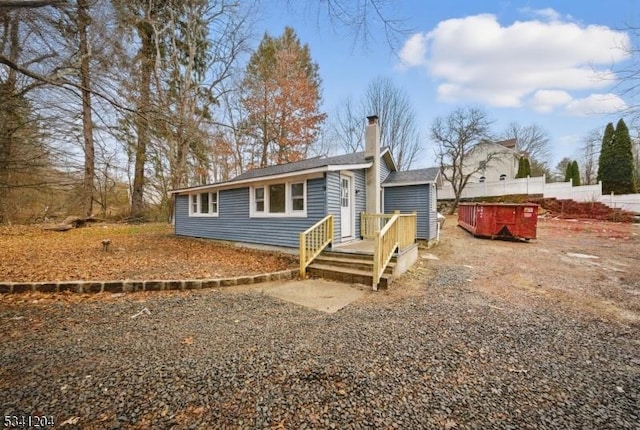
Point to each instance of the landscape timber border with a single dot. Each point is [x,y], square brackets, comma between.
[132,286]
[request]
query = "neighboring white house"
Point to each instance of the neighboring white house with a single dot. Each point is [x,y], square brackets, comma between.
[492,161]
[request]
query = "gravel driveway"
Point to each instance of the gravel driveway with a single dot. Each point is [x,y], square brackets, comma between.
[433,352]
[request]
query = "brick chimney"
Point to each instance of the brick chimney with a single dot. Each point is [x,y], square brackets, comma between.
[372,153]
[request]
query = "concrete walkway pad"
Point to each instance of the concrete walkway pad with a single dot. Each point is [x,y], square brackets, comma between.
[318,294]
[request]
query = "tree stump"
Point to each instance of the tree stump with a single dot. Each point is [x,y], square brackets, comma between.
[106,243]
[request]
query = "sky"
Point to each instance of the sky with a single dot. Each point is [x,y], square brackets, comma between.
[550,63]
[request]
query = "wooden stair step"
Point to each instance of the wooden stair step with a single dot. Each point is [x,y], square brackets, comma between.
[351,263]
[349,275]
[352,255]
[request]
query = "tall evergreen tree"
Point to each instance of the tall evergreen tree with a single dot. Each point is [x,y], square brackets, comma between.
[605,166]
[521,168]
[568,173]
[575,173]
[527,167]
[622,176]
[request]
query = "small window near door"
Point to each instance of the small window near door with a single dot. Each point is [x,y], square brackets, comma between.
[344,194]
[259,199]
[503,177]
[297,196]
[213,203]
[194,203]
[482,179]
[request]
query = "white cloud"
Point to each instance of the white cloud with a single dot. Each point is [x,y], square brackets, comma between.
[548,100]
[596,104]
[413,52]
[477,59]
[546,13]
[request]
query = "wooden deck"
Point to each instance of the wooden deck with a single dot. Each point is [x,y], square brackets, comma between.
[355,247]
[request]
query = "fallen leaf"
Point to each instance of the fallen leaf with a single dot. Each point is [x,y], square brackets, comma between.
[70,421]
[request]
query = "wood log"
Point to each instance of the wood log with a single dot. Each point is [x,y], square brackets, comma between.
[58,227]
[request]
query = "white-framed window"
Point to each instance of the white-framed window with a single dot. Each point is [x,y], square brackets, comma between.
[297,196]
[279,199]
[503,177]
[203,204]
[258,199]
[482,179]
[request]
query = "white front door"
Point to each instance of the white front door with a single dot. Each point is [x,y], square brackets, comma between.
[346,206]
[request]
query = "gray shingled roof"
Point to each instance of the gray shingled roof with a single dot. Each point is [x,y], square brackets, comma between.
[298,166]
[311,163]
[418,176]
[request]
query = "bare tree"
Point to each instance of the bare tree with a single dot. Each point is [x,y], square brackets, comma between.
[28,170]
[233,150]
[83,22]
[398,128]
[588,155]
[347,125]
[364,20]
[532,140]
[626,80]
[560,171]
[455,135]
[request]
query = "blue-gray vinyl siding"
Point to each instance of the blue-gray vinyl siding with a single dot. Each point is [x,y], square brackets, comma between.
[384,170]
[333,201]
[234,223]
[411,198]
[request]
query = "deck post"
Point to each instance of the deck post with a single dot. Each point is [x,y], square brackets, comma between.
[303,255]
[376,262]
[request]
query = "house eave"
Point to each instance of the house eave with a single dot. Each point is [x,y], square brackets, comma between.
[387,154]
[236,184]
[406,184]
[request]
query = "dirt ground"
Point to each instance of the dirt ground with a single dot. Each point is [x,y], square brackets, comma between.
[585,265]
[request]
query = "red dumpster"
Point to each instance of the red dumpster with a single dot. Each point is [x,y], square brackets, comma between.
[499,220]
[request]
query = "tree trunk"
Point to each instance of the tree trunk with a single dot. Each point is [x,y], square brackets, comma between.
[87,122]
[8,118]
[142,125]
[455,204]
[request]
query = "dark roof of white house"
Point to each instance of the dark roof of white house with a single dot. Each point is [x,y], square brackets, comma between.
[418,176]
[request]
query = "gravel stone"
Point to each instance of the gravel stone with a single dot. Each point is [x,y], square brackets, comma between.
[446,357]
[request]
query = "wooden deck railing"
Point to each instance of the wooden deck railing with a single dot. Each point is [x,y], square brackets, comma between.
[407,230]
[370,224]
[398,232]
[313,241]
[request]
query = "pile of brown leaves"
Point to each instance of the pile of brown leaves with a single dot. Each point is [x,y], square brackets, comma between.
[148,251]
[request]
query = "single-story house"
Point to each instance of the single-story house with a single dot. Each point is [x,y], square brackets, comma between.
[272,205]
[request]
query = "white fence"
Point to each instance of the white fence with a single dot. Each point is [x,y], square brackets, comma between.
[627,202]
[496,188]
[537,185]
